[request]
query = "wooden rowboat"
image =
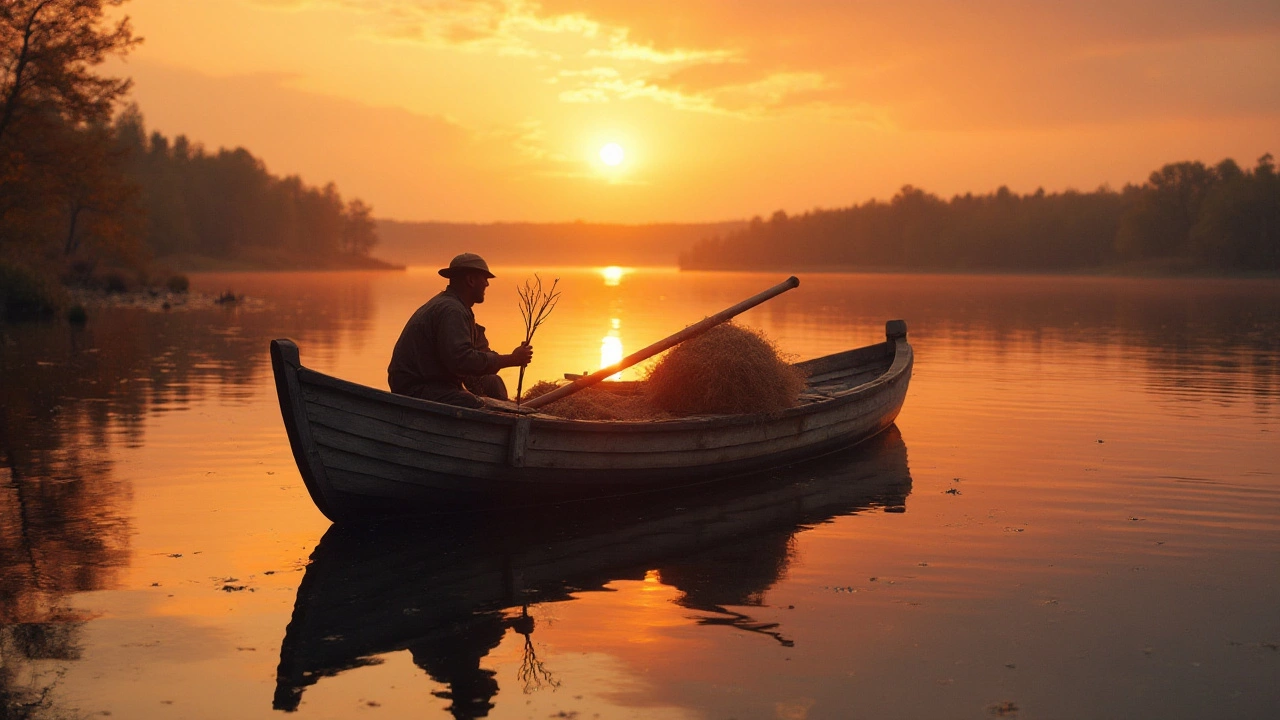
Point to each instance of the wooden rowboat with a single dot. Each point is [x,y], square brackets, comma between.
[363,451]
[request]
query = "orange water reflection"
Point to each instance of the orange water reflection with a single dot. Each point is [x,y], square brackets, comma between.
[175,527]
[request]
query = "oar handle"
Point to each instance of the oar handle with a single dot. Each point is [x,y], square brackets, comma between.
[666,343]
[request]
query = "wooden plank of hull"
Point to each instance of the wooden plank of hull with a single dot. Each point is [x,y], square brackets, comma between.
[397,464]
[328,422]
[422,418]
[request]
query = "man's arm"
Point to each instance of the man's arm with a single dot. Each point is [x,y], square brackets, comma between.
[522,355]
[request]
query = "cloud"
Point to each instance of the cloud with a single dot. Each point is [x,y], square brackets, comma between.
[574,41]
[935,65]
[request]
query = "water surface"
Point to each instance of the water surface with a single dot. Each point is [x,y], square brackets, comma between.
[1077,515]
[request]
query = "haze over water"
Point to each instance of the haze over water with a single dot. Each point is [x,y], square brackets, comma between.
[1078,515]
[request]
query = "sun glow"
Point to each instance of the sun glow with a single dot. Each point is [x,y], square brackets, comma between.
[612,154]
[613,275]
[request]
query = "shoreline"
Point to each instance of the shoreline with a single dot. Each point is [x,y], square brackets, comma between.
[1126,272]
[274,263]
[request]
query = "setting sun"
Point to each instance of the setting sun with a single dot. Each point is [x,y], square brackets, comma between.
[612,154]
[613,275]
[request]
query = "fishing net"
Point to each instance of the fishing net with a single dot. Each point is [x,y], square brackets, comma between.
[729,369]
[599,402]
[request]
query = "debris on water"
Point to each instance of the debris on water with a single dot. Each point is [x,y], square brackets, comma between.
[1011,666]
[952,491]
[155,584]
[1003,709]
[895,508]
[1013,529]
[1100,442]
[234,588]
[1137,519]
[922,564]
[175,555]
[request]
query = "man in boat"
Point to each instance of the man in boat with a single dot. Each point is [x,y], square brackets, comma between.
[442,354]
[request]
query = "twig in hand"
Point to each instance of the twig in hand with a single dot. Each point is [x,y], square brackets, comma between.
[535,307]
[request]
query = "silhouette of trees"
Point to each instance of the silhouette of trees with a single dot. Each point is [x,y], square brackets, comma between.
[1186,214]
[77,185]
[227,205]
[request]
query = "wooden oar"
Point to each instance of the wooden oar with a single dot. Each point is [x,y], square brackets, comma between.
[692,331]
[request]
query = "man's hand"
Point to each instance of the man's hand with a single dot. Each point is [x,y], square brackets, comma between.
[522,355]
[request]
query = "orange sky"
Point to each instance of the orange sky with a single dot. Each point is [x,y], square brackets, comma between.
[490,110]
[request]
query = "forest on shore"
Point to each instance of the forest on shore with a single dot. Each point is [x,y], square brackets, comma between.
[1187,218]
[88,198]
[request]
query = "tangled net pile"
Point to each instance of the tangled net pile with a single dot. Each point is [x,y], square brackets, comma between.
[726,371]
[596,403]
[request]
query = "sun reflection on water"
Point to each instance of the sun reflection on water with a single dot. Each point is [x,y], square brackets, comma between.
[611,349]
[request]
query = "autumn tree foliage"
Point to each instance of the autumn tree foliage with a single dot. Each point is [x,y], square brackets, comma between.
[59,181]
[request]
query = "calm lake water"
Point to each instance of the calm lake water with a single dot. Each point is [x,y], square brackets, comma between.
[1077,516]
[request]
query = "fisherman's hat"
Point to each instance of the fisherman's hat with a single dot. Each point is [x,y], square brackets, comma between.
[466,262]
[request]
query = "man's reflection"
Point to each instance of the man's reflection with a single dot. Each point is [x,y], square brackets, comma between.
[453,657]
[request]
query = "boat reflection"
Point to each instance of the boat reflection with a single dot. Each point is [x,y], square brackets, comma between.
[449,592]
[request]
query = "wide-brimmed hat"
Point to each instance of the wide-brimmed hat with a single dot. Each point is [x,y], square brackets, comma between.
[466,262]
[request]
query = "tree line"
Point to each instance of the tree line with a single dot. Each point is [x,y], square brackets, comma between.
[226,204]
[1187,216]
[81,185]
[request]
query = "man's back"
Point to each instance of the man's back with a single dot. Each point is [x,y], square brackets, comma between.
[438,347]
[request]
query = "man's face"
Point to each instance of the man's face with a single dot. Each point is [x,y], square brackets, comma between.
[477,283]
